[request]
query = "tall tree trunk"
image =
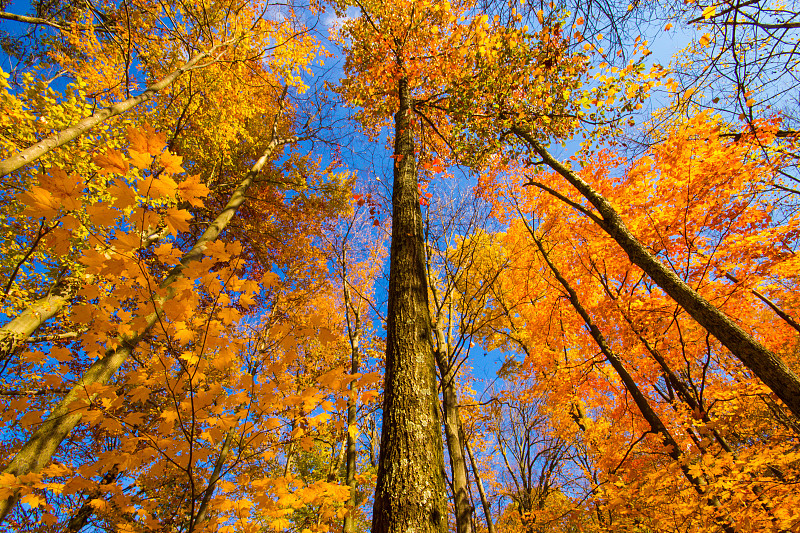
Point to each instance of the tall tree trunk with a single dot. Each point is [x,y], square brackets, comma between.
[410,494]
[43,443]
[455,446]
[34,152]
[769,368]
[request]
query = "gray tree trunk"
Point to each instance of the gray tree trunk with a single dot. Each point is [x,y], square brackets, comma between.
[769,367]
[410,494]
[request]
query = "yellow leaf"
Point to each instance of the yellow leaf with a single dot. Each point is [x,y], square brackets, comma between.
[190,358]
[705,39]
[33,500]
[709,12]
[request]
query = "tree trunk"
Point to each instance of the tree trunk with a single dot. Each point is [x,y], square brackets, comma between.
[487,509]
[34,152]
[197,520]
[410,494]
[43,443]
[14,334]
[353,330]
[455,446]
[699,483]
[769,368]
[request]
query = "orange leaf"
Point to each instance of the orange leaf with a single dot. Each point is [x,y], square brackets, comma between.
[177,220]
[40,203]
[159,188]
[171,162]
[111,161]
[123,195]
[192,189]
[140,159]
[146,140]
[102,214]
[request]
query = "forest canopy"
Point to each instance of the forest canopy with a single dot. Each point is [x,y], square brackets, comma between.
[429,266]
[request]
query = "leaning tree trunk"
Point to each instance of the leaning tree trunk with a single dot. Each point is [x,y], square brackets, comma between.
[38,450]
[34,152]
[409,495]
[657,426]
[769,367]
[16,332]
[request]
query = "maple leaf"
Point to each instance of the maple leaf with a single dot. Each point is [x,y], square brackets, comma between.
[160,187]
[146,140]
[124,196]
[40,203]
[171,162]
[68,188]
[111,161]
[33,500]
[192,190]
[102,214]
[169,415]
[229,315]
[141,160]
[177,220]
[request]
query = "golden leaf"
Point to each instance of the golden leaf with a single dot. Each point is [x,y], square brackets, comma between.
[177,220]
[111,161]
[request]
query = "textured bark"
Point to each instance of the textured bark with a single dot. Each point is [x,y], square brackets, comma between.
[455,445]
[769,368]
[409,495]
[43,443]
[34,152]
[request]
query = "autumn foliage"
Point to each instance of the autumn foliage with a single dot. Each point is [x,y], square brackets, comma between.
[199,268]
